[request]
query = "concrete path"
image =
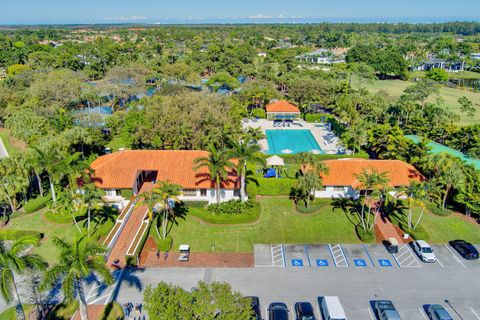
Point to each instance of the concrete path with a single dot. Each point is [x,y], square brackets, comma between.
[3,150]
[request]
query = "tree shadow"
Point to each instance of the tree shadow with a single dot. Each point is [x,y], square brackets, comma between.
[350,207]
[180,212]
[99,216]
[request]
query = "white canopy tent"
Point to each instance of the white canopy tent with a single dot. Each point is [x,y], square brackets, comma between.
[275,161]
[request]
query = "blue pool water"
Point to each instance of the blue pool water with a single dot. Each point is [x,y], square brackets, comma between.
[291,141]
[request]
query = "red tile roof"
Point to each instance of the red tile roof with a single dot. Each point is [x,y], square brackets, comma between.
[119,170]
[343,172]
[282,106]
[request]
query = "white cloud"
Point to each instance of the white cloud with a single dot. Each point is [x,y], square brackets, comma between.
[125,18]
[259,16]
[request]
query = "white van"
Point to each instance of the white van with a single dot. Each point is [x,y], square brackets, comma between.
[331,308]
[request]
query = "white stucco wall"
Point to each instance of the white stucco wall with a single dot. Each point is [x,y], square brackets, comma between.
[329,192]
[225,195]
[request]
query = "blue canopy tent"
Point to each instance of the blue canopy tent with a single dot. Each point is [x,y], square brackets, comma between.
[271,173]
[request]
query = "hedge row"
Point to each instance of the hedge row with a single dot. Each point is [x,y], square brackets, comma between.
[36,204]
[196,203]
[433,208]
[314,206]
[17,234]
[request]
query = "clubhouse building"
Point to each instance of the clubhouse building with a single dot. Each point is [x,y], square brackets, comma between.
[126,173]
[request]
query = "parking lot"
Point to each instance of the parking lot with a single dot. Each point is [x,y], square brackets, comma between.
[356,256]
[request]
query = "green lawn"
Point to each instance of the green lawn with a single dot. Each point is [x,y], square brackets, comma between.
[444,229]
[6,139]
[116,143]
[394,88]
[451,75]
[37,222]
[279,223]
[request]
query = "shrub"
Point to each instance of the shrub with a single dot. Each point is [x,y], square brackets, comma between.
[317,117]
[196,204]
[36,204]
[165,244]
[433,208]
[252,190]
[259,112]
[418,234]
[367,236]
[126,193]
[231,207]
[113,311]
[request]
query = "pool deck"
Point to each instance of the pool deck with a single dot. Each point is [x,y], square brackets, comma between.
[325,138]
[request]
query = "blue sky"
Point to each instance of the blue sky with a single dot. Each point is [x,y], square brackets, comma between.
[196,11]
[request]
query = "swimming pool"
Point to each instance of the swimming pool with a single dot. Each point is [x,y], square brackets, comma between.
[291,141]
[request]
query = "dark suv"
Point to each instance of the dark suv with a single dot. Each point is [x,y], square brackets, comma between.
[304,311]
[277,311]
[465,249]
[255,305]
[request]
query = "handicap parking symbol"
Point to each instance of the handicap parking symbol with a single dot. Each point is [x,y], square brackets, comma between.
[297,262]
[322,263]
[384,263]
[359,262]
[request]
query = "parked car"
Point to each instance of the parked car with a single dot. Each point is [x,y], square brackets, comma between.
[391,244]
[465,249]
[304,311]
[385,310]
[424,251]
[255,305]
[277,311]
[438,312]
[331,308]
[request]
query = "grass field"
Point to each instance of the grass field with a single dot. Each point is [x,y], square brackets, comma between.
[279,223]
[394,88]
[37,222]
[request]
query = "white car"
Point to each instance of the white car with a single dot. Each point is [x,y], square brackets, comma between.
[424,251]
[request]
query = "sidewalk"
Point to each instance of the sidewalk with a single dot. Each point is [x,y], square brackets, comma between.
[127,236]
[385,229]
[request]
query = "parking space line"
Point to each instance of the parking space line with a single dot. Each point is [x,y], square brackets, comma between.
[406,257]
[278,255]
[454,255]
[475,313]
[368,255]
[422,313]
[440,263]
[371,314]
[308,256]
[338,255]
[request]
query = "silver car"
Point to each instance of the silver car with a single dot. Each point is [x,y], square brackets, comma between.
[424,251]
[438,312]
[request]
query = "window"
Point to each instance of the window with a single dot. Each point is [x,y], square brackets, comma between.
[189,192]
[203,192]
[338,188]
[236,193]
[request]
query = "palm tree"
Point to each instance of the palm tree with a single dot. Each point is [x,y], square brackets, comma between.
[218,163]
[48,157]
[245,152]
[15,258]
[370,180]
[69,202]
[163,194]
[415,194]
[13,179]
[78,260]
[33,164]
[90,196]
[254,134]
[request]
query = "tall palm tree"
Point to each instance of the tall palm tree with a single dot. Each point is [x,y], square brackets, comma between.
[254,134]
[90,197]
[218,163]
[245,152]
[370,180]
[13,179]
[33,164]
[78,260]
[48,158]
[15,258]
[415,195]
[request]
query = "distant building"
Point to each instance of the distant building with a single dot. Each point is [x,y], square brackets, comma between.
[435,63]
[475,56]
[282,110]
[321,56]
[262,54]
